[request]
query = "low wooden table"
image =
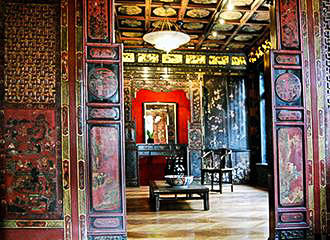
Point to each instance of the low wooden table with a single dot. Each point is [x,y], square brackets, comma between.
[161,188]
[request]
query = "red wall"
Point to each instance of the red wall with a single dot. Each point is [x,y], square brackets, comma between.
[153,168]
[183,110]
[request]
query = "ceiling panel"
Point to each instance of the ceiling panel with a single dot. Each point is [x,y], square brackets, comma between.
[220,25]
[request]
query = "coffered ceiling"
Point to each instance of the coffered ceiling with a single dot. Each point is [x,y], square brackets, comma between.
[220,25]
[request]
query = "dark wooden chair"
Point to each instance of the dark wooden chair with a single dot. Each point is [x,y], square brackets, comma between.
[175,165]
[218,162]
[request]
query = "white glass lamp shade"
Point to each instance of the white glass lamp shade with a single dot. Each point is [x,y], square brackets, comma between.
[166,40]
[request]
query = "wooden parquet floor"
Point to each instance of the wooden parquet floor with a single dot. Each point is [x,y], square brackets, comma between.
[241,215]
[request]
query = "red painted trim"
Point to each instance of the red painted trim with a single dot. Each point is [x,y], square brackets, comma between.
[122,117]
[32,234]
[288,51]
[286,67]
[290,107]
[290,123]
[103,104]
[72,113]
[315,121]
[102,61]
[274,142]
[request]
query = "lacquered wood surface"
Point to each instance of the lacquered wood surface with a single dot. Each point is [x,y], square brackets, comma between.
[163,187]
[238,215]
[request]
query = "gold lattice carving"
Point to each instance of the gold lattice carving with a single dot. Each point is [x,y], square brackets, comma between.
[238,60]
[218,60]
[30,53]
[195,59]
[148,58]
[172,58]
[128,57]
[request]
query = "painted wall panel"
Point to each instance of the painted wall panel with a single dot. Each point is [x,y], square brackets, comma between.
[105,166]
[291,166]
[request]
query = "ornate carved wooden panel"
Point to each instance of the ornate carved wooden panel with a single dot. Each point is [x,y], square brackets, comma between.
[224,109]
[99,21]
[289,128]
[31,54]
[325,46]
[105,199]
[103,83]
[215,106]
[290,166]
[104,150]
[289,136]
[289,20]
[31,174]
[31,118]
[291,215]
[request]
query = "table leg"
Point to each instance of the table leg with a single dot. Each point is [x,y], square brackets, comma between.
[206,201]
[150,194]
[157,204]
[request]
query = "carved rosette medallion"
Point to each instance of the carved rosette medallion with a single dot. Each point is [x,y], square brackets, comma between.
[102,83]
[288,87]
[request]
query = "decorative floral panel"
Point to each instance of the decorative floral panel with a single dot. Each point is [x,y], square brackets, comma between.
[236,113]
[104,143]
[291,166]
[30,179]
[215,110]
[226,125]
[289,18]
[98,22]
[30,121]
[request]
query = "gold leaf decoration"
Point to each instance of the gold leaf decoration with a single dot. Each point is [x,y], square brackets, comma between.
[172,58]
[148,57]
[195,59]
[238,60]
[218,60]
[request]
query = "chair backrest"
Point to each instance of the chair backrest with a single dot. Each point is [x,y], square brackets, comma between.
[216,158]
[208,158]
[225,157]
[175,165]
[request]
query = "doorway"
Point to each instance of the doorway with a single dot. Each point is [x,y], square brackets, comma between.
[137,196]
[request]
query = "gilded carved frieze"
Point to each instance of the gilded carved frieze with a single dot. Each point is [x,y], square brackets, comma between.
[186,59]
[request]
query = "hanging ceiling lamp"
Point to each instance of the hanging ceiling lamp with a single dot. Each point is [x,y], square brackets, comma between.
[166,35]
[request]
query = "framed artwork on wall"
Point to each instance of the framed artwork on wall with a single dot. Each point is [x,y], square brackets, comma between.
[160,122]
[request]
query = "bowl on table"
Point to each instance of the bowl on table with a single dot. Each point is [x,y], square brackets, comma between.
[179,180]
